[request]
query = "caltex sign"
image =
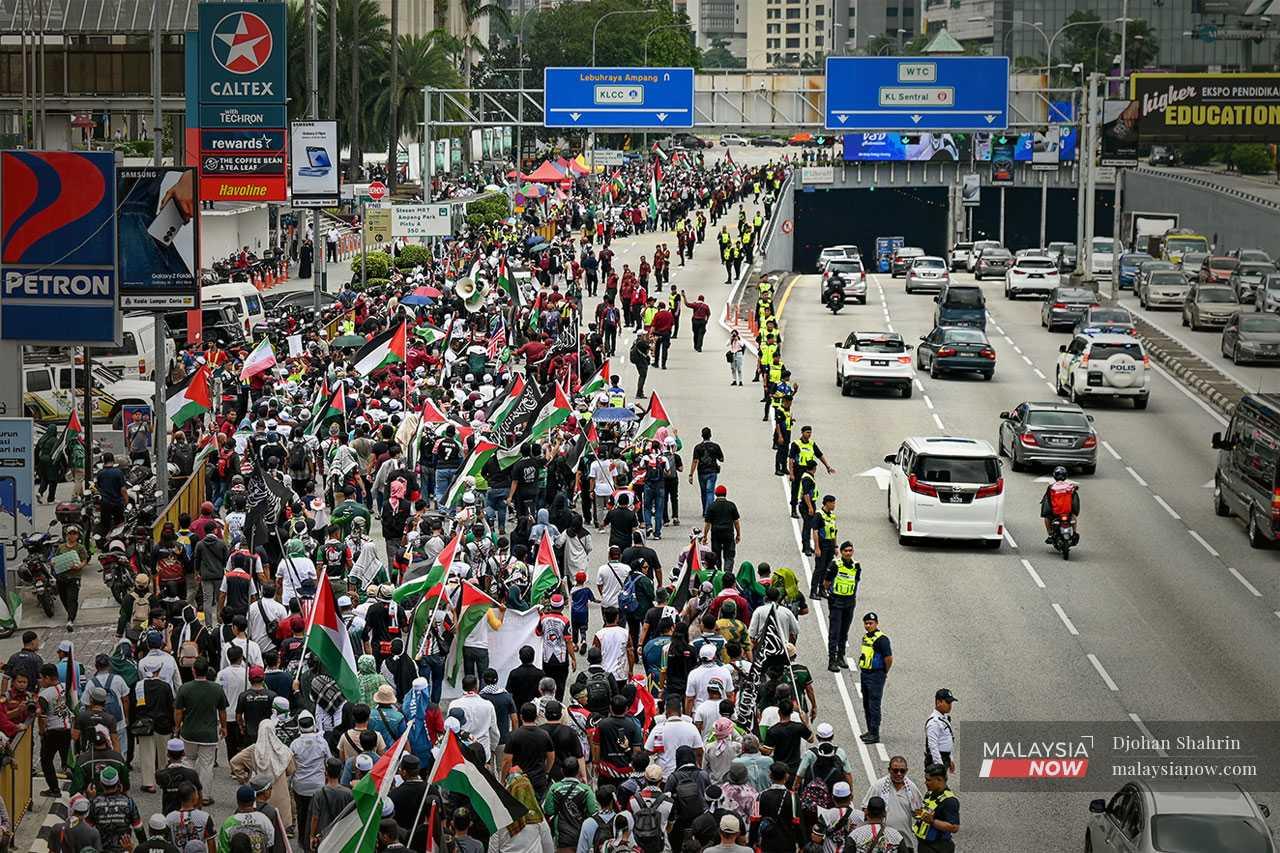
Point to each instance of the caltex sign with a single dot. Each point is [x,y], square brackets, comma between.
[244,55]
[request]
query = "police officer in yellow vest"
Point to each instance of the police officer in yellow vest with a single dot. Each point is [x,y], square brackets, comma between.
[803,450]
[842,598]
[768,354]
[939,817]
[726,256]
[875,659]
[823,525]
[758,222]
[782,424]
[737,260]
[748,248]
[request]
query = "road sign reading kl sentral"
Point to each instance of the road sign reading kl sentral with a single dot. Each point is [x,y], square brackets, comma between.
[926,93]
[618,97]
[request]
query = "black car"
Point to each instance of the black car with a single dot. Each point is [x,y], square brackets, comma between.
[768,142]
[218,323]
[1066,258]
[1053,433]
[1248,479]
[993,262]
[1252,337]
[1066,306]
[956,349]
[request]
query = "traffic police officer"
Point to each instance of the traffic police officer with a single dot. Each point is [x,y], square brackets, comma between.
[823,525]
[808,503]
[803,451]
[780,389]
[782,423]
[939,817]
[841,600]
[875,659]
[939,737]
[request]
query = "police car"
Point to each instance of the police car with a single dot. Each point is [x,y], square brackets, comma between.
[873,360]
[1104,365]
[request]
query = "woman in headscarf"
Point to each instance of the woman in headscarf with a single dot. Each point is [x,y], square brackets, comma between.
[529,833]
[396,510]
[791,595]
[749,585]
[416,707]
[297,571]
[370,678]
[269,757]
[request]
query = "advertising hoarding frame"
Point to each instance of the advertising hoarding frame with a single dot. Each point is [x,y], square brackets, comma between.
[147,223]
[310,141]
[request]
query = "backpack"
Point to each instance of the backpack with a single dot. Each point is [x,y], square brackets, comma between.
[816,795]
[571,811]
[628,601]
[689,800]
[827,769]
[113,699]
[298,458]
[647,826]
[598,692]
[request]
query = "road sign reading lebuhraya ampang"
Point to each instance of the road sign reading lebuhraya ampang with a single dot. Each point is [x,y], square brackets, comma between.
[917,93]
[58,248]
[618,97]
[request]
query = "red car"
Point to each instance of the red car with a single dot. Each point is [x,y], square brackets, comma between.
[1218,268]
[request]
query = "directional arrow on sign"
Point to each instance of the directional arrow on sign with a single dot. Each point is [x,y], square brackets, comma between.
[916,118]
[843,119]
[990,118]
[881,476]
[662,116]
[575,116]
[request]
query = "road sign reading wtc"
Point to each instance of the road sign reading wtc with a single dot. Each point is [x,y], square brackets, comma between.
[918,93]
[377,190]
[618,97]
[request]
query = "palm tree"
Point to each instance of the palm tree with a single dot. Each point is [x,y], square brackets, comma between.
[424,61]
[299,97]
[362,50]
[473,11]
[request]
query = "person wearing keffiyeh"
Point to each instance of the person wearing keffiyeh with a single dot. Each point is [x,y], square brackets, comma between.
[901,796]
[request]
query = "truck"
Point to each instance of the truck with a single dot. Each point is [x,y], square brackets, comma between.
[51,388]
[1142,227]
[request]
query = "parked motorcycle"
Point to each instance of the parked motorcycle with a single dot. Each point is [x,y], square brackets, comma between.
[36,568]
[1063,535]
[117,573]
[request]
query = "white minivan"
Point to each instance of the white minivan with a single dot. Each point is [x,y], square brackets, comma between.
[135,358]
[946,487]
[242,297]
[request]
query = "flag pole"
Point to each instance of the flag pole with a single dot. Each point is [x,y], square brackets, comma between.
[364,829]
[444,592]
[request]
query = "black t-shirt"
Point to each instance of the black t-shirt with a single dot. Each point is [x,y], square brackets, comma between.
[721,514]
[631,556]
[617,739]
[523,683]
[169,779]
[528,747]
[25,662]
[114,816]
[622,523]
[786,739]
[707,455]
[525,474]
[566,742]
[255,704]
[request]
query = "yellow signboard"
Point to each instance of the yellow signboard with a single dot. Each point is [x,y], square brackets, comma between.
[377,224]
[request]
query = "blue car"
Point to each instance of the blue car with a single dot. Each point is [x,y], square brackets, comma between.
[1130,263]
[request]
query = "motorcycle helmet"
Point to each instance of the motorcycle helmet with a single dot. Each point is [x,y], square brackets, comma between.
[116,546]
[1059,473]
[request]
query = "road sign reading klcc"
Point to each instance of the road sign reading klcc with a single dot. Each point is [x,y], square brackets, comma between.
[934,93]
[618,97]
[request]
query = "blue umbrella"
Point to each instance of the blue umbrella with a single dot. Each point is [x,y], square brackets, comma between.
[415,299]
[617,414]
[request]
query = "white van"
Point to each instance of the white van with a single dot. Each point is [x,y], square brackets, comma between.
[243,298]
[135,358]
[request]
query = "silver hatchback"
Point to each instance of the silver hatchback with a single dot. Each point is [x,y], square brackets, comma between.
[1143,817]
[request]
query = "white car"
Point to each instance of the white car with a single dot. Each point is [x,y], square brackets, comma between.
[946,487]
[1106,365]
[732,139]
[1036,274]
[873,360]
[1101,250]
[976,252]
[829,252]
[959,256]
[926,273]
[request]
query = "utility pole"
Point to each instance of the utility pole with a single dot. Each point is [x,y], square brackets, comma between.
[313,110]
[333,59]
[354,49]
[1095,107]
[393,153]
[159,428]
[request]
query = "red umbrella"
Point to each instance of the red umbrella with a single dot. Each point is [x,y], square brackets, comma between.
[426,290]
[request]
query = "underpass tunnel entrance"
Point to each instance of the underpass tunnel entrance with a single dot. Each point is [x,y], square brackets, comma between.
[835,217]
[1022,216]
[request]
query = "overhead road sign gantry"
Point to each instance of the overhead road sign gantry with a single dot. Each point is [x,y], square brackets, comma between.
[957,93]
[618,97]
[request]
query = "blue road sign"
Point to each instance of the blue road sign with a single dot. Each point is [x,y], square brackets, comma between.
[618,97]
[917,93]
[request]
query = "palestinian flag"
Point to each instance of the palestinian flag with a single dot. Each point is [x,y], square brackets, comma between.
[508,283]
[615,184]
[473,606]
[480,454]
[318,407]
[654,419]
[387,348]
[659,153]
[430,586]
[546,574]
[598,381]
[336,407]
[458,774]
[428,334]
[653,195]
[692,571]
[356,829]
[554,412]
[74,433]
[431,414]
[189,398]
[328,640]
[505,404]
[262,359]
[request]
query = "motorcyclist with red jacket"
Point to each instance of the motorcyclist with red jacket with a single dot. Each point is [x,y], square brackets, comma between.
[1061,497]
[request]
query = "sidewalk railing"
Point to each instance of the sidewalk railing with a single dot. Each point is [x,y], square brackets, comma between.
[187,499]
[15,775]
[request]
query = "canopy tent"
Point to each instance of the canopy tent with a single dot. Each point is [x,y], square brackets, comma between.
[547,173]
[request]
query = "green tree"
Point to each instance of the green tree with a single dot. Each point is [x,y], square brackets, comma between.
[1142,45]
[1089,43]
[424,61]
[363,41]
[473,12]
[562,36]
[296,79]
[1252,159]
[718,56]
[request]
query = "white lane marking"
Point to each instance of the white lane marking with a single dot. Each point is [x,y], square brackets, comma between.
[999,330]
[1040,375]
[1190,395]
[1173,513]
[1196,536]
[937,420]
[1050,386]
[1129,468]
[1008,537]
[1008,340]
[1093,659]
[889,326]
[816,607]
[1142,727]
[1066,620]
[880,751]
[1018,350]
[928,402]
[1026,564]
[1028,361]
[1111,450]
[919,387]
[1253,590]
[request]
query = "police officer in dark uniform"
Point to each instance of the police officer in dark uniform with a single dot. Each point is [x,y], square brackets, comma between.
[808,503]
[823,525]
[842,598]
[782,423]
[875,659]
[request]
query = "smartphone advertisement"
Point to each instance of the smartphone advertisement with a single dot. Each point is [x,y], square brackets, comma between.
[313,171]
[159,233]
[1002,153]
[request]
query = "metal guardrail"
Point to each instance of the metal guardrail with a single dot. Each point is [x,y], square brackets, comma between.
[187,499]
[15,775]
[1209,184]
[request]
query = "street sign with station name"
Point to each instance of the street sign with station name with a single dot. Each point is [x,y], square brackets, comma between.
[618,97]
[955,93]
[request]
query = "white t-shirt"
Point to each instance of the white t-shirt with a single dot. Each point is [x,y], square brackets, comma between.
[602,472]
[701,676]
[613,649]
[610,578]
[665,739]
[706,714]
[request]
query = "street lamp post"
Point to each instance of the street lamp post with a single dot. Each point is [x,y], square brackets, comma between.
[520,57]
[594,31]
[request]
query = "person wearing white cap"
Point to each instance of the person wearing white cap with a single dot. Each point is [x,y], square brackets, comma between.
[709,668]
[268,757]
[79,834]
[840,819]
[826,760]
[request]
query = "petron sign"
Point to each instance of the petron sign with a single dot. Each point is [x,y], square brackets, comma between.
[243,56]
[1204,107]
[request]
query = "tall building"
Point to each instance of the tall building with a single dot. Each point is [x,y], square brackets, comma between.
[869,19]
[782,33]
[419,17]
[714,21]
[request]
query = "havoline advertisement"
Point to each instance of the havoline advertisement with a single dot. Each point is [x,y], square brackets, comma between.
[1206,107]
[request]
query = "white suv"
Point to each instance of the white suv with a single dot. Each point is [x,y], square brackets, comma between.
[1035,274]
[1107,365]
[946,487]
